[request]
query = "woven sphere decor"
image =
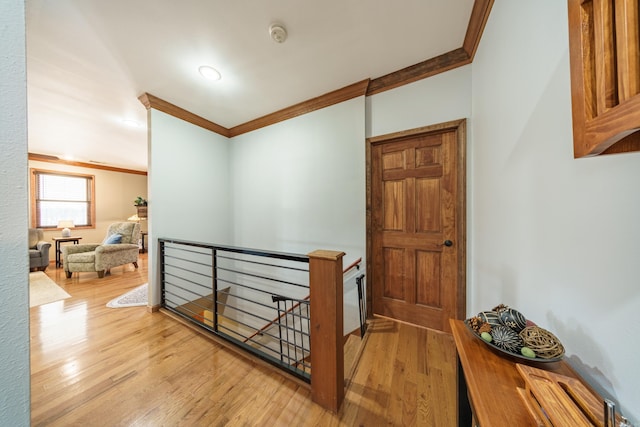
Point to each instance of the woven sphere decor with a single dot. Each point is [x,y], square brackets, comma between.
[542,342]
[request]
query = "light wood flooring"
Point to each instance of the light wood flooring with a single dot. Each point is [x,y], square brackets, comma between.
[97,366]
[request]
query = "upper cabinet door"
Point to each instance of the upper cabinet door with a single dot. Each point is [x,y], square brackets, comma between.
[605,76]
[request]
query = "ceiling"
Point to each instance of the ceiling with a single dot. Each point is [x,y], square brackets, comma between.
[89,60]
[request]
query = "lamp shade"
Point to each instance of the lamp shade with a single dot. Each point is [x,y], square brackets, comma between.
[65,224]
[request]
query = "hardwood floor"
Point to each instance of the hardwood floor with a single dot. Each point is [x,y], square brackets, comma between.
[97,366]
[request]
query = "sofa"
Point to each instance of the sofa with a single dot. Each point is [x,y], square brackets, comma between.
[38,250]
[119,247]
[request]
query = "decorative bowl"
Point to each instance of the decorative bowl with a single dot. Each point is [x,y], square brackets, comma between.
[507,345]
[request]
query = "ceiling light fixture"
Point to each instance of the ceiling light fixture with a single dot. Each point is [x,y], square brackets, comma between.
[278,33]
[209,73]
[132,123]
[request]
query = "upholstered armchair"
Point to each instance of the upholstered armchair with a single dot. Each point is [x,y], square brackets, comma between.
[119,247]
[38,250]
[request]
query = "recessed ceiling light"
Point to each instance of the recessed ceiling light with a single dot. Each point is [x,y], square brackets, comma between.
[209,73]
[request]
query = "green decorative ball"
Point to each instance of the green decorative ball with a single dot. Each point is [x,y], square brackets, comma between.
[486,336]
[527,352]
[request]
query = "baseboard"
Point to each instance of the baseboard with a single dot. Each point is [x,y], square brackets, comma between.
[153,308]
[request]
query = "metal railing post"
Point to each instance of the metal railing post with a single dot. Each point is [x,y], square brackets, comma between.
[214,278]
[162,272]
[362,310]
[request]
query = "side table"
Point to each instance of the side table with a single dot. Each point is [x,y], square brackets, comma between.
[143,236]
[58,240]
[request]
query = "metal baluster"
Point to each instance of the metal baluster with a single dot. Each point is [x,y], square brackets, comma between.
[361,306]
[277,300]
[215,288]
[301,326]
[286,322]
[295,341]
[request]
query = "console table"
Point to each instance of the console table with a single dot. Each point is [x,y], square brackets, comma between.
[487,394]
[59,240]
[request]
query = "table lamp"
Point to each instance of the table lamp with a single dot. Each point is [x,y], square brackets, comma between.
[65,224]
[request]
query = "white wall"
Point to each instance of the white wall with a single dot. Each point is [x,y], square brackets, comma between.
[14,264]
[188,184]
[295,186]
[299,185]
[555,237]
[438,99]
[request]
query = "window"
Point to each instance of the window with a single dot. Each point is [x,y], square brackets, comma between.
[57,196]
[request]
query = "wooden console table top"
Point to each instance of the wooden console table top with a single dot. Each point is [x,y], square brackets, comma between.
[492,381]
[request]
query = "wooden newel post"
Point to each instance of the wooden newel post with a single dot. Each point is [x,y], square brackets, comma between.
[327,330]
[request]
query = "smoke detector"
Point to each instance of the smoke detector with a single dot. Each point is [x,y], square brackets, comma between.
[278,33]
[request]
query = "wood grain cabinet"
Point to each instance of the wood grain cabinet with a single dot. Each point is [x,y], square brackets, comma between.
[605,76]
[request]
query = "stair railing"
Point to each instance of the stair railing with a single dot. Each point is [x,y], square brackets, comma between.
[229,291]
[293,331]
[354,264]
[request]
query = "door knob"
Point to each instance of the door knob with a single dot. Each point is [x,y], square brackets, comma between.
[448,243]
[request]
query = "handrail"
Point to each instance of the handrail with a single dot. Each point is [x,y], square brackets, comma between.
[273,322]
[246,251]
[355,263]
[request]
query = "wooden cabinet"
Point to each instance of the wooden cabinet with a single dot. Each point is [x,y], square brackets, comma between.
[605,76]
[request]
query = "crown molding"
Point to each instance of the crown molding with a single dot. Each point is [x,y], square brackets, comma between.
[445,62]
[335,97]
[57,160]
[150,101]
[322,101]
[430,67]
[477,22]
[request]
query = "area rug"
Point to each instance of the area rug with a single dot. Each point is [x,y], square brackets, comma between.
[133,298]
[43,290]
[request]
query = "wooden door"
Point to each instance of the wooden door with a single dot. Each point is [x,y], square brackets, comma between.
[416,227]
